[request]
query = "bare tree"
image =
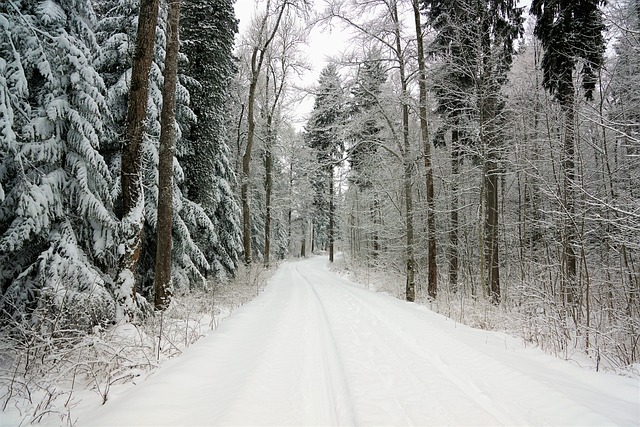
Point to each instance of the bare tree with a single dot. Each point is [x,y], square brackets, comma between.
[265,32]
[282,60]
[380,23]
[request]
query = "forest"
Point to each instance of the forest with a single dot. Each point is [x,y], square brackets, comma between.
[484,154]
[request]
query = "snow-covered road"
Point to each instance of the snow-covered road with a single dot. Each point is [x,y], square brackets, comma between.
[313,349]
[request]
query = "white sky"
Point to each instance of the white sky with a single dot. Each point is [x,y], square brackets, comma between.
[322,45]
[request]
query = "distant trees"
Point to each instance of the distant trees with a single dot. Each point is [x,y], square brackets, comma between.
[324,134]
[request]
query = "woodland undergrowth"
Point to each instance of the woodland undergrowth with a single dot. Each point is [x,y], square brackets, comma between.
[49,377]
[538,320]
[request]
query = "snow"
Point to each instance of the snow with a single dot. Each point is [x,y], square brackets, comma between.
[316,349]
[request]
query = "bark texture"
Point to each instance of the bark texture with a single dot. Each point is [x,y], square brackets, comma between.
[165,161]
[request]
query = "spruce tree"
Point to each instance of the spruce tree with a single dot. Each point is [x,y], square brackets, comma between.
[191,224]
[571,32]
[57,227]
[324,136]
[476,41]
[365,126]
[366,136]
[208,172]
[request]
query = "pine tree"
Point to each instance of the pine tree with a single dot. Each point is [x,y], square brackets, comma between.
[454,45]
[476,39]
[323,133]
[208,172]
[366,136]
[365,127]
[192,228]
[571,33]
[57,227]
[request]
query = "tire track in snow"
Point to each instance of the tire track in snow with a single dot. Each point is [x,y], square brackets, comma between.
[313,349]
[323,361]
[425,385]
[510,394]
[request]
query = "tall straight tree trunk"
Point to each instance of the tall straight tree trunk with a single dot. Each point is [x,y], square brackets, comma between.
[268,186]
[568,198]
[165,161]
[432,287]
[410,288]
[489,113]
[453,232]
[257,59]
[290,211]
[491,224]
[246,171]
[131,179]
[331,214]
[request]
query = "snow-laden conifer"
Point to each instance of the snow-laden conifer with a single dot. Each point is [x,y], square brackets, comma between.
[116,33]
[56,222]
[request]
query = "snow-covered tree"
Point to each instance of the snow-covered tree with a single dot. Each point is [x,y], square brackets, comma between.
[571,33]
[324,133]
[209,175]
[57,227]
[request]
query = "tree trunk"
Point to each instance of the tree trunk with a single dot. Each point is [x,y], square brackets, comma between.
[410,289]
[331,214]
[491,225]
[165,161]
[257,59]
[246,170]
[432,287]
[453,232]
[268,186]
[131,179]
[375,215]
[568,199]
[488,134]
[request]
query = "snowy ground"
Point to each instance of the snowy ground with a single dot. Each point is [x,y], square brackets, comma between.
[313,349]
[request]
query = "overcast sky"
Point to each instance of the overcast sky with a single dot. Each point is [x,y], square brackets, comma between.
[322,45]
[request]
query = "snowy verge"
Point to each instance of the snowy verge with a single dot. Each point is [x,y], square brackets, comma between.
[51,379]
[538,331]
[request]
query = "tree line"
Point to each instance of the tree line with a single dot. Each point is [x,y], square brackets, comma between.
[483,151]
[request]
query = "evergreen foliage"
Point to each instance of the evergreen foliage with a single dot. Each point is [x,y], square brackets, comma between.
[324,137]
[205,153]
[570,31]
[57,227]
[65,72]
[364,116]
